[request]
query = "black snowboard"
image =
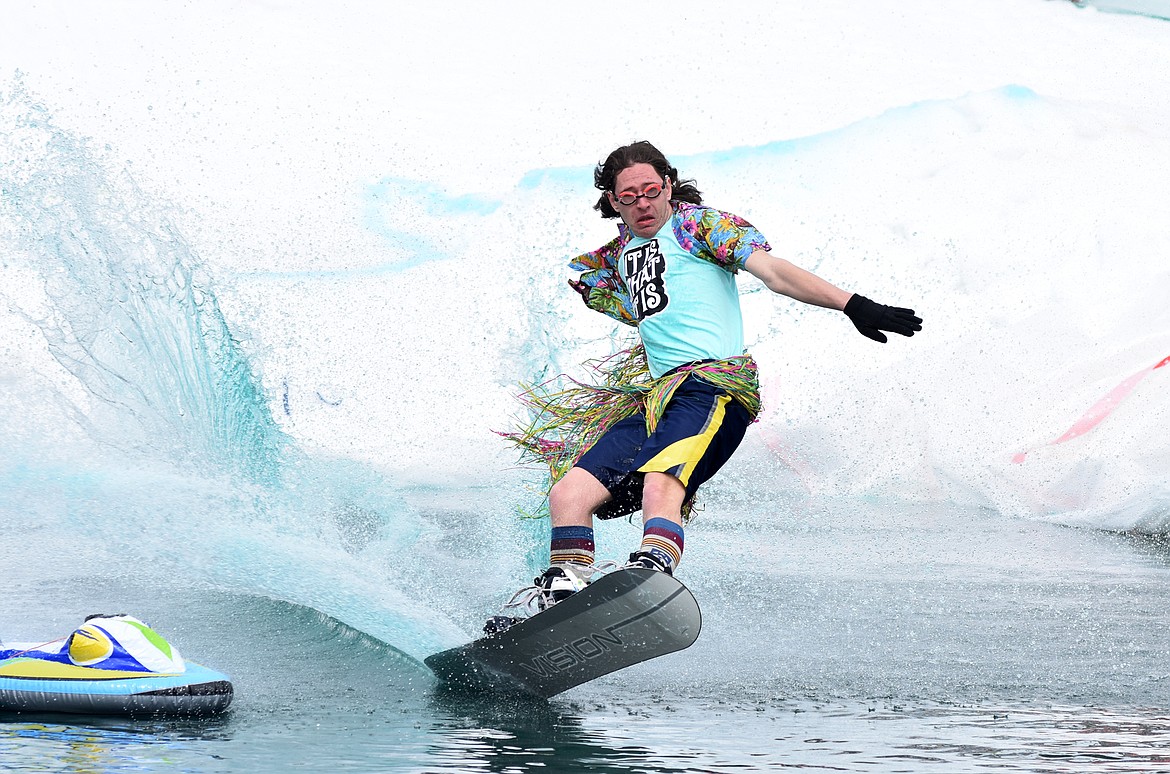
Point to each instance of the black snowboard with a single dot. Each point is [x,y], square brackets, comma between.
[621,619]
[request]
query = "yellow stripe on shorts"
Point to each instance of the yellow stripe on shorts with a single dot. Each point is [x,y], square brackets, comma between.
[685,455]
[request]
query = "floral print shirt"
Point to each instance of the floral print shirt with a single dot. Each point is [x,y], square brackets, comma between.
[718,237]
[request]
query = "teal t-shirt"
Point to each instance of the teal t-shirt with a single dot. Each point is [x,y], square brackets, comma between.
[687,308]
[678,287]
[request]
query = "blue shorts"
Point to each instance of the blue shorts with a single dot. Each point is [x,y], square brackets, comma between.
[699,431]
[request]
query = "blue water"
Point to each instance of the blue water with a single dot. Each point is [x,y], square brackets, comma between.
[929,640]
[292,472]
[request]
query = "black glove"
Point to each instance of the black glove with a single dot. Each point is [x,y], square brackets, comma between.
[871,319]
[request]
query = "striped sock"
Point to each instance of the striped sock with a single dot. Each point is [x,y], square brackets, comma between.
[664,539]
[572,545]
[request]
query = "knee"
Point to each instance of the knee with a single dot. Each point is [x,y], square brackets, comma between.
[561,492]
[577,492]
[662,492]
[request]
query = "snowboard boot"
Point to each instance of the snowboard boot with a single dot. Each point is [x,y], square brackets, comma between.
[560,582]
[647,560]
[553,585]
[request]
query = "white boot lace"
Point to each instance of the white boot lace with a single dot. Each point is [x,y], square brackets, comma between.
[531,600]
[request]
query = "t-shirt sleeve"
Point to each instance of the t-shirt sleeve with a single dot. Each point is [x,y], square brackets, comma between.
[719,237]
[600,285]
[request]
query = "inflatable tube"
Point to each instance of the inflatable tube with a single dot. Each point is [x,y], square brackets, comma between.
[26,686]
[109,665]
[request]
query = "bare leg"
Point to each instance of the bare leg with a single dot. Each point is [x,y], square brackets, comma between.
[662,531]
[573,500]
[662,497]
[571,504]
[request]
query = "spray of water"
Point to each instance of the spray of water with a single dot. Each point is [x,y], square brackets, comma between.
[145,447]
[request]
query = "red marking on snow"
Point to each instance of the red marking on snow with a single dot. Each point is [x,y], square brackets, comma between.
[1100,410]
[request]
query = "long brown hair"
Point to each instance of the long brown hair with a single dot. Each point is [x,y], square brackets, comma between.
[640,152]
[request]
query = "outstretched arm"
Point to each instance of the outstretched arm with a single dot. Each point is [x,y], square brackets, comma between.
[788,279]
[870,318]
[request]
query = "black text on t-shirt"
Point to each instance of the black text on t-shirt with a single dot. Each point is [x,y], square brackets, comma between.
[644,267]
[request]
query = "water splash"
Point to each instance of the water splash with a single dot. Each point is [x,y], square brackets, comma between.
[166,464]
[128,308]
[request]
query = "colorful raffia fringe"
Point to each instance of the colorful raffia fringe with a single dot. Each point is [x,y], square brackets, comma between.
[565,421]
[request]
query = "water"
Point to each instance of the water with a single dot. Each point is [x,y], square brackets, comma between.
[855,640]
[256,340]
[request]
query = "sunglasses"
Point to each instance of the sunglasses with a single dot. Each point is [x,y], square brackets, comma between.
[651,191]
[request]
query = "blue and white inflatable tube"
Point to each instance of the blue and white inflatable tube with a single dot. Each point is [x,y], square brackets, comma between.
[109,665]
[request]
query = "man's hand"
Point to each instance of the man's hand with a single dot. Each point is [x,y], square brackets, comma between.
[871,318]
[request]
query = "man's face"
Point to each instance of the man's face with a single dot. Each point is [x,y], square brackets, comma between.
[645,215]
